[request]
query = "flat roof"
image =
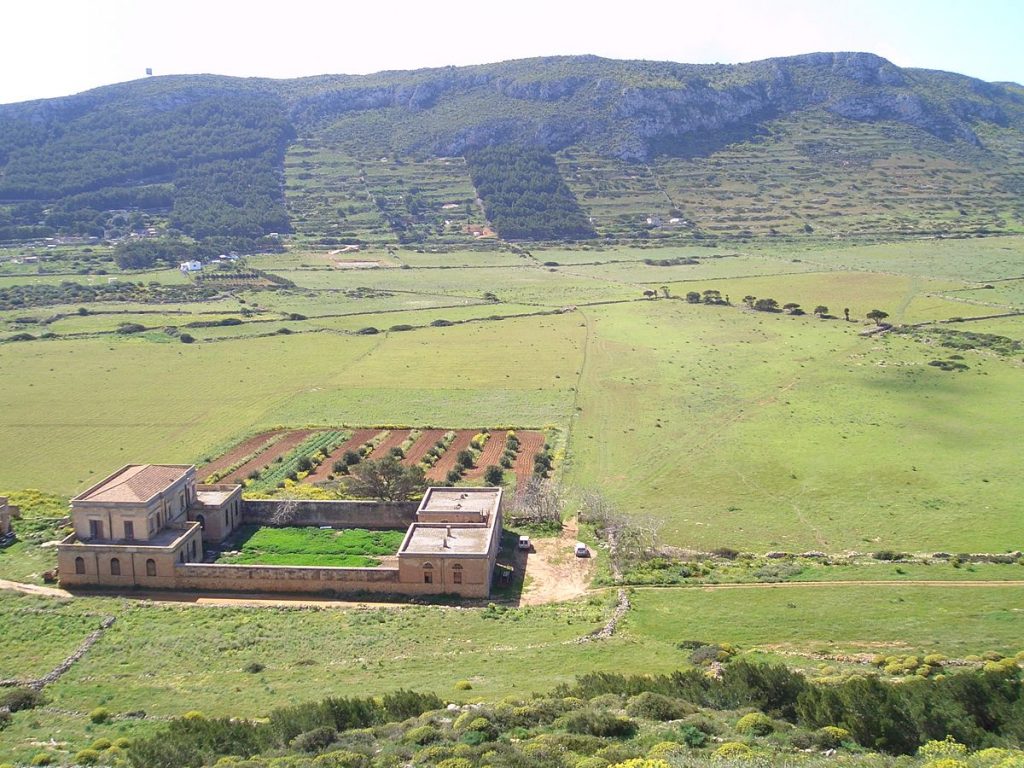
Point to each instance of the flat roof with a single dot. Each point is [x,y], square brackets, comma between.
[214,497]
[450,539]
[136,483]
[479,500]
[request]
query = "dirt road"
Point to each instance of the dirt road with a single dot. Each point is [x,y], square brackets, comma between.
[553,573]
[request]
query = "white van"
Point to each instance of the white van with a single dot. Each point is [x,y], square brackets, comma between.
[524,543]
[581,549]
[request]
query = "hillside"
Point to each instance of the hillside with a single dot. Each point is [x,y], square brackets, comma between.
[830,144]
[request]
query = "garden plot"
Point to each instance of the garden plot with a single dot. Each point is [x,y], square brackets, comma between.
[350,548]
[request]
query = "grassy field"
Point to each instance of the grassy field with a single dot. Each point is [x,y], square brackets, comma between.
[245,661]
[355,548]
[720,421]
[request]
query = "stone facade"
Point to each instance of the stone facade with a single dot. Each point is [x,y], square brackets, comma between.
[134,527]
[145,526]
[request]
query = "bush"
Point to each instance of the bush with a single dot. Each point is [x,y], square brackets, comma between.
[101,744]
[463,685]
[598,723]
[424,734]
[304,464]
[352,457]
[186,338]
[453,476]
[831,737]
[341,758]
[755,724]
[253,667]
[693,736]
[494,475]
[99,715]
[42,758]
[655,706]
[733,750]
[316,740]
[464,458]
[474,738]
[18,699]
[87,757]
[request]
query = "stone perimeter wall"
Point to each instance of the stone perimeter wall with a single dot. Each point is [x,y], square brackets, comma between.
[299,579]
[337,514]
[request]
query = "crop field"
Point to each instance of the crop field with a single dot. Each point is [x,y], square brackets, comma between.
[354,548]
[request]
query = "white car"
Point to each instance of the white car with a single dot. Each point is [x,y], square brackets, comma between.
[524,543]
[581,549]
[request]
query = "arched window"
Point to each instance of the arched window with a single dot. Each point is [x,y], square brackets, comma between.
[115,567]
[457,573]
[79,565]
[428,573]
[202,522]
[151,567]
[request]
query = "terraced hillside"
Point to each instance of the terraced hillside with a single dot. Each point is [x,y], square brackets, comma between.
[821,145]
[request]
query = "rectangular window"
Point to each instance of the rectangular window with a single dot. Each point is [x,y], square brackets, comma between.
[129,530]
[95,529]
[428,578]
[457,577]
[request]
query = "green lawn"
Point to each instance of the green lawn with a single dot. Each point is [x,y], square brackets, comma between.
[353,548]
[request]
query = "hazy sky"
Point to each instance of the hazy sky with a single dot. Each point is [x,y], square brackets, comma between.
[58,47]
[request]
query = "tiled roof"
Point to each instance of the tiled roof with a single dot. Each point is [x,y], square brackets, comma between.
[136,483]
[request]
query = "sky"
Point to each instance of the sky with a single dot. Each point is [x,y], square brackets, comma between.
[60,47]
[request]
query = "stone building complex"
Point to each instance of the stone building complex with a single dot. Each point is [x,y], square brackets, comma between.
[149,525]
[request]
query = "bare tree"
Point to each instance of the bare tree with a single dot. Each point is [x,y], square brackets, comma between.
[630,539]
[286,510]
[540,503]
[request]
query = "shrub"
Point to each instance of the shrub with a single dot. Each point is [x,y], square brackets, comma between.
[455,762]
[831,737]
[464,458]
[87,757]
[367,331]
[127,328]
[99,715]
[101,744]
[463,685]
[316,740]
[253,667]
[640,762]
[341,758]
[424,734]
[598,723]
[18,699]
[352,457]
[474,738]
[655,706]
[755,724]
[733,750]
[665,749]
[304,464]
[186,338]
[453,476]
[693,736]
[42,758]
[494,475]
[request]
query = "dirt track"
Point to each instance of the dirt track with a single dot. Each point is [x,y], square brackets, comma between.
[237,453]
[395,439]
[490,455]
[554,573]
[419,449]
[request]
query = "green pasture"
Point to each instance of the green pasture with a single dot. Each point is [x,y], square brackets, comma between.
[304,654]
[353,548]
[761,431]
[79,408]
[869,618]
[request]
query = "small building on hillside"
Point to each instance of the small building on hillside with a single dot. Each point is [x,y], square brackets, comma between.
[191,266]
[133,527]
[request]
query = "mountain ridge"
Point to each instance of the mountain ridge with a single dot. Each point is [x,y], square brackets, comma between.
[170,129]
